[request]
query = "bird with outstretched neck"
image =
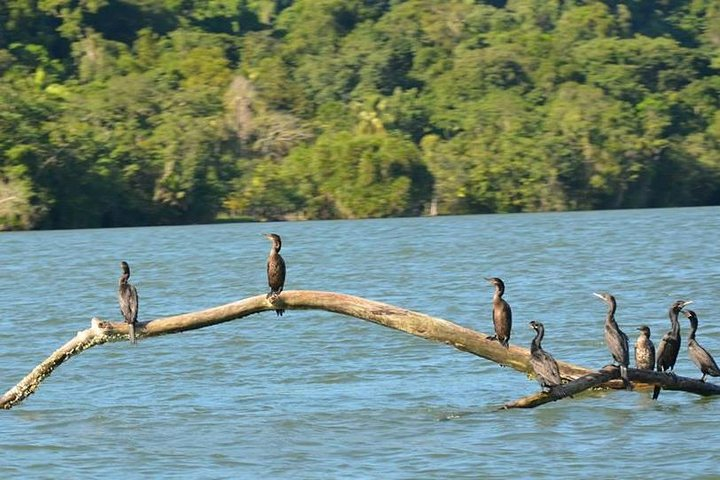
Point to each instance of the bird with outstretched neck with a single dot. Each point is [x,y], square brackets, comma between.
[543,364]
[275,269]
[128,300]
[669,344]
[700,357]
[501,314]
[616,340]
[644,350]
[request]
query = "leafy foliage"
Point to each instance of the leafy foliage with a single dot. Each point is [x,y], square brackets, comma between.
[138,112]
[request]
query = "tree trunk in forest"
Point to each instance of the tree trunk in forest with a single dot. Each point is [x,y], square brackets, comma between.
[419,324]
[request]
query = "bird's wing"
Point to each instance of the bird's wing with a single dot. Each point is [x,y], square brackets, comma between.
[282,268]
[617,343]
[276,273]
[703,356]
[554,369]
[662,347]
[135,304]
[545,367]
[508,311]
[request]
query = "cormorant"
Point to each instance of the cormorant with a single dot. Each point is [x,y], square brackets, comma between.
[670,344]
[275,269]
[543,364]
[501,315]
[615,338]
[644,350]
[128,300]
[700,357]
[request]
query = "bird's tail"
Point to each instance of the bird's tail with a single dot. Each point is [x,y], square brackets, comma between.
[131,329]
[624,376]
[656,392]
[657,388]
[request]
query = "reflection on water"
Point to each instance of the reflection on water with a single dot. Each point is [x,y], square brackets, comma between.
[317,395]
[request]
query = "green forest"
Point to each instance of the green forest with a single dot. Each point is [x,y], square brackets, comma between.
[151,112]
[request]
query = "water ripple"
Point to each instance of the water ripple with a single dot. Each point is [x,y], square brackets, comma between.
[317,395]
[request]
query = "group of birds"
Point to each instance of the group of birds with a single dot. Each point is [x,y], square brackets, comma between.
[129,301]
[543,364]
[546,368]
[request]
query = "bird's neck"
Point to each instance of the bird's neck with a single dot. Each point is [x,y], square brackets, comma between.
[124,278]
[535,345]
[612,307]
[499,291]
[611,317]
[675,325]
[693,329]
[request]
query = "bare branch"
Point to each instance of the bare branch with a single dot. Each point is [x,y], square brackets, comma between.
[643,379]
[591,380]
[414,323]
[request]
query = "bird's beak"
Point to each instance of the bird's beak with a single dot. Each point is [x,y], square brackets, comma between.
[488,279]
[685,304]
[599,296]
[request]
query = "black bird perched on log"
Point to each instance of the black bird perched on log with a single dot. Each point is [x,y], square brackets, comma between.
[644,350]
[700,357]
[128,300]
[543,364]
[275,269]
[615,338]
[501,314]
[670,343]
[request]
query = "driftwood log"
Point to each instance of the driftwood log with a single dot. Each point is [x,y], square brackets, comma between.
[419,324]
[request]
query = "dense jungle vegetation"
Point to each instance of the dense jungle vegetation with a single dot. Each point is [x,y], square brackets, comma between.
[142,112]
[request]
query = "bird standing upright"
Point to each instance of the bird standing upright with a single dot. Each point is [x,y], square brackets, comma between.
[644,350]
[700,357]
[670,343]
[501,314]
[615,338]
[543,364]
[128,300]
[275,269]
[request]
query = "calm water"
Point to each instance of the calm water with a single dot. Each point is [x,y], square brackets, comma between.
[317,395]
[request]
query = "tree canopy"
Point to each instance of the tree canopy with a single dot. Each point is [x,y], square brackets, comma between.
[144,112]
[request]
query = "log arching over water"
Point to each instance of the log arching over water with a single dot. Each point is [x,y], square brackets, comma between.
[415,323]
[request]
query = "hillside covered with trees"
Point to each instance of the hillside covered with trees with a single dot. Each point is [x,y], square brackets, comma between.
[142,112]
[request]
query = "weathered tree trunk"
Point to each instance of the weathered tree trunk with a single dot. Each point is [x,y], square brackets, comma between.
[415,323]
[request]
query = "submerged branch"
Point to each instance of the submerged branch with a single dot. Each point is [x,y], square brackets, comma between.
[670,381]
[591,380]
[414,323]
[642,379]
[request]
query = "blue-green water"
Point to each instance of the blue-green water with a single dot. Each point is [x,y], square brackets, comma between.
[317,395]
